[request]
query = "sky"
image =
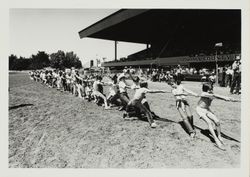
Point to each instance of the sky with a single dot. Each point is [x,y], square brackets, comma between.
[50,30]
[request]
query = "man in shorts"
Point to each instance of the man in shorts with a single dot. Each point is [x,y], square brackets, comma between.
[205,113]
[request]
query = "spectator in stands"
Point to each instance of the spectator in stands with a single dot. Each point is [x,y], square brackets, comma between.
[223,76]
[195,71]
[148,73]
[178,73]
[229,76]
[131,70]
[191,71]
[236,76]
[140,72]
[168,77]
[154,75]
[125,70]
[161,77]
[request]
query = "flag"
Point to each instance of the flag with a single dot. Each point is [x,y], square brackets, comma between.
[218,44]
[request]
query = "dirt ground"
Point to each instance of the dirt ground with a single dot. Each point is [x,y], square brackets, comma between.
[50,129]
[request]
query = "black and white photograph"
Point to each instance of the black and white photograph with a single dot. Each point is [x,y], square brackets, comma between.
[126,88]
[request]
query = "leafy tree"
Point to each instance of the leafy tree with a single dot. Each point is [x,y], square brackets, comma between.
[57,59]
[12,61]
[78,64]
[72,60]
[63,60]
[20,63]
[23,63]
[40,60]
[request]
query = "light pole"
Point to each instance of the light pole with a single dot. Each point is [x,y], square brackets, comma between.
[116,50]
[216,62]
[216,68]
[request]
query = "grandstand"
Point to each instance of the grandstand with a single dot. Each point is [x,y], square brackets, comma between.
[173,36]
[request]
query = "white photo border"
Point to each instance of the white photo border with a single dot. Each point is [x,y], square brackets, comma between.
[243,171]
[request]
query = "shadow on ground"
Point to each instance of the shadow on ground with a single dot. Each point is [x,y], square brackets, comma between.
[19,106]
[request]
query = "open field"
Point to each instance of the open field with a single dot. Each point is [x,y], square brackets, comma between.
[50,129]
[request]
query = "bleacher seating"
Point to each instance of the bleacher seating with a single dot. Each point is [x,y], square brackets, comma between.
[161,52]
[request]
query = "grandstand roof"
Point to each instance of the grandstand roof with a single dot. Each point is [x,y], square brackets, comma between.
[159,25]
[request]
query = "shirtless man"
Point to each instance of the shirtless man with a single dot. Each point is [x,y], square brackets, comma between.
[205,113]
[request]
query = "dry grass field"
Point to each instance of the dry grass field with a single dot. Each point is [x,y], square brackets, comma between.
[50,129]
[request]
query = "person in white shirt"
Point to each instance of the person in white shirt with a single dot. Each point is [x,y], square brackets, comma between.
[161,77]
[58,81]
[88,91]
[37,77]
[136,85]
[68,82]
[140,72]
[41,76]
[229,76]
[191,70]
[114,94]
[79,83]
[73,82]
[178,73]
[31,73]
[183,106]
[44,80]
[123,91]
[136,102]
[125,70]
[135,80]
[97,93]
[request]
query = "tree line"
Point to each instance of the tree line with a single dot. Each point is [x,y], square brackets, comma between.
[58,60]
